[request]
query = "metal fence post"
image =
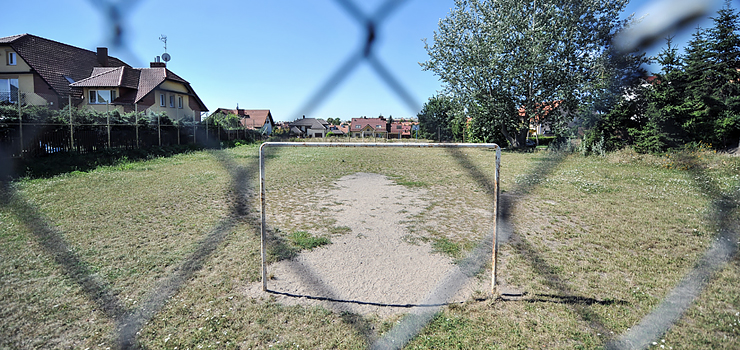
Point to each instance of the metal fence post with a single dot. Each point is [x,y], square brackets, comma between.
[159,129]
[20,121]
[263,232]
[497,192]
[71,125]
[107,121]
[136,118]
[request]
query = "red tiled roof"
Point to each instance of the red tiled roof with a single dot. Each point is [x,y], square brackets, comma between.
[543,109]
[143,79]
[255,118]
[53,60]
[377,124]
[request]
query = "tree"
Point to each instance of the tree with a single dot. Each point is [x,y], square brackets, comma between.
[497,56]
[438,118]
[724,46]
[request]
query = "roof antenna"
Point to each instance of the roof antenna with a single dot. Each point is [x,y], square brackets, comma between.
[165,56]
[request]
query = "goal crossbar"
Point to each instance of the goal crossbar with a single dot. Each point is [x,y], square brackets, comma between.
[263,237]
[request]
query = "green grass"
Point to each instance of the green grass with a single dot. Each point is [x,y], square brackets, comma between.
[306,241]
[598,243]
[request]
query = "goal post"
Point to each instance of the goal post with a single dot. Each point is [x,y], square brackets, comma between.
[496,190]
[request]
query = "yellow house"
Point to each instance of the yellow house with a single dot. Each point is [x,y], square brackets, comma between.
[39,70]
[155,89]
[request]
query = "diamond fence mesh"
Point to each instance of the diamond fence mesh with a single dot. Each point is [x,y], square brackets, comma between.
[130,321]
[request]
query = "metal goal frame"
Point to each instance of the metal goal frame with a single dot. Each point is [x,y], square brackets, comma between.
[263,236]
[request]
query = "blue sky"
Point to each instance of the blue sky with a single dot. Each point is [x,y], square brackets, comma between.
[263,54]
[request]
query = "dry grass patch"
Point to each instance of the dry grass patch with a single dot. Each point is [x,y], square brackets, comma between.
[596,244]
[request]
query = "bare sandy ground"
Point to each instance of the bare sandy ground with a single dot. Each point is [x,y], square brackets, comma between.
[370,270]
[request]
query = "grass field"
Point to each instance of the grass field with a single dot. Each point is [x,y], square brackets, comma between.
[157,253]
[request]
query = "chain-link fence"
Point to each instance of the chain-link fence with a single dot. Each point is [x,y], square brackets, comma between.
[131,321]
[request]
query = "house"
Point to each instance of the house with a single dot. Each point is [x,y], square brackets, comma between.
[154,89]
[49,73]
[400,130]
[309,127]
[539,123]
[369,127]
[255,119]
[41,70]
[336,130]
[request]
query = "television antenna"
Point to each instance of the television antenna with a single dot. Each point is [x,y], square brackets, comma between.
[165,56]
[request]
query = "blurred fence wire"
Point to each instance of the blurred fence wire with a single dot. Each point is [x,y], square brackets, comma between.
[669,17]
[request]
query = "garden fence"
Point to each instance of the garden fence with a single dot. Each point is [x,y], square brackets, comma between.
[22,138]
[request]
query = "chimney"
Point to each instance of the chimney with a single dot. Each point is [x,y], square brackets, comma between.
[157,65]
[103,56]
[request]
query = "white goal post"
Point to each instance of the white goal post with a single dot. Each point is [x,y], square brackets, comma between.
[381,144]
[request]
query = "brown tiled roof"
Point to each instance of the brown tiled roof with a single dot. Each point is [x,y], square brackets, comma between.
[53,60]
[372,122]
[255,118]
[151,78]
[111,77]
[144,80]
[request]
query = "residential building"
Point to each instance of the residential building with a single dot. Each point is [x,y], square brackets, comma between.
[49,73]
[309,127]
[255,119]
[369,127]
[40,70]
[339,130]
[400,130]
[154,89]
[539,123]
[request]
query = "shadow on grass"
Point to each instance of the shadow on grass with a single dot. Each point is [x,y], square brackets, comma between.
[133,322]
[559,299]
[723,249]
[358,302]
[52,242]
[410,326]
[130,321]
[66,162]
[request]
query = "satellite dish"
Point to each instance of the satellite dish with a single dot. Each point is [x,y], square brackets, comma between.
[166,57]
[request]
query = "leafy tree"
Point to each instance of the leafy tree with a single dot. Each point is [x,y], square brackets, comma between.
[499,56]
[438,118]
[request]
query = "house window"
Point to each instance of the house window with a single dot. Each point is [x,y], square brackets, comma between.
[179,102]
[12,59]
[377,126]
[357,126]
[161,100]
[8,90]
[398,127]
[172,101]
[98,97]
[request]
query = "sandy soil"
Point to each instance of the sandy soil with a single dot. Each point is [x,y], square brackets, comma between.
[370,270]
